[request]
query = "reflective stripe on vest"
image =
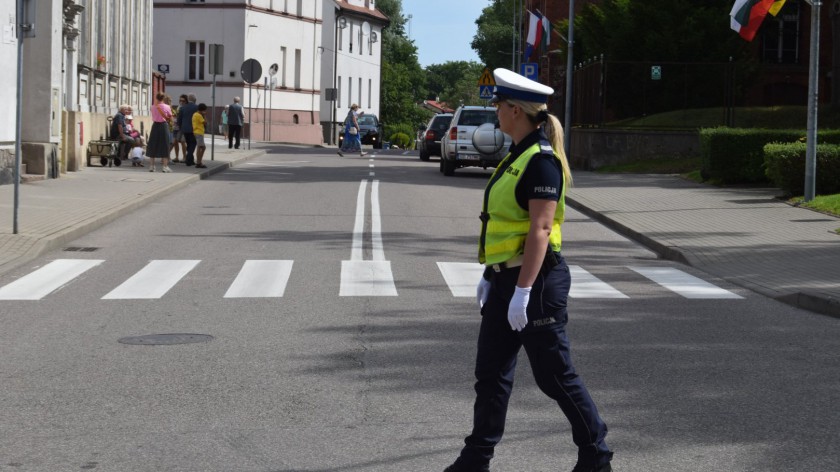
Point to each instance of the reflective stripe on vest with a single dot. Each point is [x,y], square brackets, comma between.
[508,225]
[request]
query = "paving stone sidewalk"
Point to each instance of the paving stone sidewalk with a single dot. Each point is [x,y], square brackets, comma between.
[744,235]
[55,212]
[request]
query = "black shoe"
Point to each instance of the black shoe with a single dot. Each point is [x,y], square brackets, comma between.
[593,468]
[459,466]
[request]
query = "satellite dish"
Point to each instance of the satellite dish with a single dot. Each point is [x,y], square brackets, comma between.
[488,139]
[365,28]
[272,71]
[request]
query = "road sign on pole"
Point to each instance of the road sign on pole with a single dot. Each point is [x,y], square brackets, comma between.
[251,72]
[485,84]
[530,70]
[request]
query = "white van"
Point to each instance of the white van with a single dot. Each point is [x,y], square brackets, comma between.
[456,145]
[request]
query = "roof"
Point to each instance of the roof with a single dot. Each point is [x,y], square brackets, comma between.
[374,14]
[437,107]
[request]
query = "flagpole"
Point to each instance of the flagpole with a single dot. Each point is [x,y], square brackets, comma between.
[570,60]
[813,101]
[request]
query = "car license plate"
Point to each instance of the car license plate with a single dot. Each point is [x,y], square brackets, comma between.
[468,157]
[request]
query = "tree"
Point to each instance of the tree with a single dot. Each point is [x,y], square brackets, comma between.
[403,80]
[454,82]
[494,36]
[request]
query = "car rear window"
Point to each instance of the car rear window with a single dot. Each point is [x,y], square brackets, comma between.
[442,124]
[477,117]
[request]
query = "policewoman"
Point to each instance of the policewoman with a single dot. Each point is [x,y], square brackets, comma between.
[522,295]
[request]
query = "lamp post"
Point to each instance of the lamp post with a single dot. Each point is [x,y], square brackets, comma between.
[340,24]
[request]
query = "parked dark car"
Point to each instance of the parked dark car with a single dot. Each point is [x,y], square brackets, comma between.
[429,142]
[370,130]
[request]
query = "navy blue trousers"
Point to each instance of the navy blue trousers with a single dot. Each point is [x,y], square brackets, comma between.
[547,347]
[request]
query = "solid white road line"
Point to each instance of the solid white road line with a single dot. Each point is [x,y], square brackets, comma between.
[153,281]
[586,285]
[359,225]
[261,279]
[376,223]
[367,279]
[461,277]
[682,283]
[47,279]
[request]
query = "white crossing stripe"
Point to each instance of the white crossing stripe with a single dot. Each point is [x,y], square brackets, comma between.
[684,284]
[47,279]
[261,279]
[586,285]
[153,281]
[367,279]
[461,277]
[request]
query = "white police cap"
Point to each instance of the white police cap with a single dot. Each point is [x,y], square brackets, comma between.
[510,85]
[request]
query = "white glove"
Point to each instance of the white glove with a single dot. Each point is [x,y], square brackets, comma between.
[482,292]
[517,316]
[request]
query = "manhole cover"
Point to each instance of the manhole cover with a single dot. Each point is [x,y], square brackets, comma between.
[166,339]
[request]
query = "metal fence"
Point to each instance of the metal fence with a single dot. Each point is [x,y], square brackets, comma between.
[623,93]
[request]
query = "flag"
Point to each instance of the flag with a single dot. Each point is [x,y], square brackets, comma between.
[747,16]
[531,40]
[546,38]
[777,5]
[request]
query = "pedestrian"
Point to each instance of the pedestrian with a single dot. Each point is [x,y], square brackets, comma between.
[178,141]
[159,138]
[522,212]
[236,118]
[185,124]
[119,131]
[352,139]
[224,126]
[199,122]
[136,155]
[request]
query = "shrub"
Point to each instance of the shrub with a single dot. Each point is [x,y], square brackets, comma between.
[785,167]
[405,129]
[736,155]
[401,140]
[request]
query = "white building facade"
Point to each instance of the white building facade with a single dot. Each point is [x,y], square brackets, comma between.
[352,61]
[284,36]
[87,58]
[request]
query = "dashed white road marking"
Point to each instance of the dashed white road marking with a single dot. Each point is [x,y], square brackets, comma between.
[261,279]
[153,281]
[684,284]
[47,279]
[586,285]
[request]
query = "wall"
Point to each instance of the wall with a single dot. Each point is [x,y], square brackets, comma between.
[8,79]
[594,148]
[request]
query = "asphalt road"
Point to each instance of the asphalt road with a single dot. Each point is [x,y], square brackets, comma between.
[323,371]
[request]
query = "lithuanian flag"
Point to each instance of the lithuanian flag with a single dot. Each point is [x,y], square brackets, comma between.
[747,16]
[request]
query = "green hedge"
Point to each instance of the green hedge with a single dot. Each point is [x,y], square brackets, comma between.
[785,167]
[400,140]
[736,155]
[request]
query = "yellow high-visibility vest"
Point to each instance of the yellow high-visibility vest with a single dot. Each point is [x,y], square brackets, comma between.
[503,234]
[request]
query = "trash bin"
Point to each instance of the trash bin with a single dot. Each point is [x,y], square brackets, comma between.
[386,145]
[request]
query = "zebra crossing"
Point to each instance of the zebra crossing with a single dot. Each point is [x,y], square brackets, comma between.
[268,279]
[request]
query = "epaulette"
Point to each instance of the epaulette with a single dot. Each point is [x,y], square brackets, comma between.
[545,147]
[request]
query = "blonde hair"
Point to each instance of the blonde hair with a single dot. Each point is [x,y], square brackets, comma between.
[354,107]
[553,129]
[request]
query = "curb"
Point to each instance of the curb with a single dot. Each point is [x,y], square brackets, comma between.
[813,302]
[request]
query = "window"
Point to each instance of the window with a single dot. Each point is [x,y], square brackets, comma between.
[780,36]
[299,7]
[361,43]
[283,66]
[370,91]
[340,34]
[351,37]
[297,69]
[195,60]
[338,93]
[349,91]
[360,92]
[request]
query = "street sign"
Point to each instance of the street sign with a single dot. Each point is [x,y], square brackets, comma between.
[251,71]
[655,72]
[485,92]
[217,59]
[530,70]
[487,78]
[163,68]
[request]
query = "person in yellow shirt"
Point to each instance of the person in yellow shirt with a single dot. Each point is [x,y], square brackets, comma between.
[198,122]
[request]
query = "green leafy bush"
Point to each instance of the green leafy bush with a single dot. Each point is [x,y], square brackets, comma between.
[405,129]
[736,155]
[785,167]
[400,140]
